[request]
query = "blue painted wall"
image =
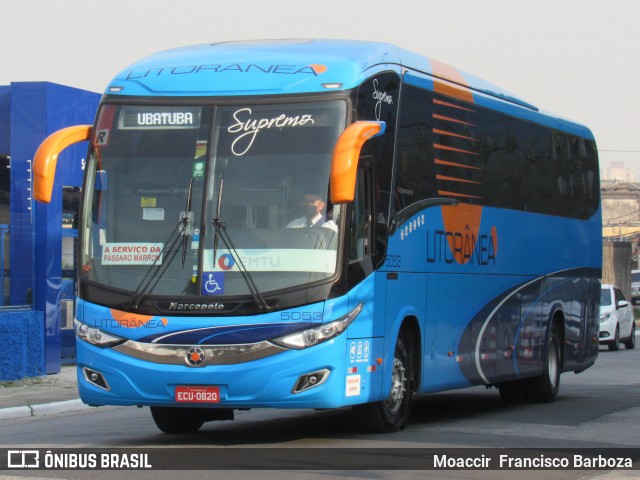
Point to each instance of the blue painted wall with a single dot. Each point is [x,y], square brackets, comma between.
[22,340]
[37,109]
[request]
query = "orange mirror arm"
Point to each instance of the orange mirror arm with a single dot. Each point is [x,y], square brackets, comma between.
[46,158]
[344,162]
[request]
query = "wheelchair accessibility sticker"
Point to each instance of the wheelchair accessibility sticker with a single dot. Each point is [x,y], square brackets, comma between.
[212,283]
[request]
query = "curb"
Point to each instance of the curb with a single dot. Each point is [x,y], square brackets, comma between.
[14,412]
[42,410]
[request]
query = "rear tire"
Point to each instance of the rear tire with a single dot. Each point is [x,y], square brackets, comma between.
[177,420]
[390,415]
[544,389]
[630,343]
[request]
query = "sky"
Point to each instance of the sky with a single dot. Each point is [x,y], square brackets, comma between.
[579,59]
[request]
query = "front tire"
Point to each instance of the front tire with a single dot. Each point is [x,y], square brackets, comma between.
[630,343]
[390,415]
[177,420]
[614,345]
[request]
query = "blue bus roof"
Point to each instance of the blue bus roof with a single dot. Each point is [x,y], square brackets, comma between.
[295,66]
[272,67]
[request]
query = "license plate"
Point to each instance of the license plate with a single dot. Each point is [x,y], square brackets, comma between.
[189,394]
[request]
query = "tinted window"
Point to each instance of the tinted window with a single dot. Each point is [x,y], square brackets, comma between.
[450,148]
[377,99]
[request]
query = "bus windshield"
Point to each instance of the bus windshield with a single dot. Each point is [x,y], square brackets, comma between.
[185,200]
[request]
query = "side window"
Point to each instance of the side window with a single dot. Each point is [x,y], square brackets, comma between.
[377,99]
[360,231]
[449,148]
[415,171]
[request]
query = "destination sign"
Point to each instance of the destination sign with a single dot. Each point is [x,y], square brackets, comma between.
[159,118]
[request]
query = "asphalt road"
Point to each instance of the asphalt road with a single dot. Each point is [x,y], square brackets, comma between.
[599,408]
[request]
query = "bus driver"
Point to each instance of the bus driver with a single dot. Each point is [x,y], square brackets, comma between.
[313,206]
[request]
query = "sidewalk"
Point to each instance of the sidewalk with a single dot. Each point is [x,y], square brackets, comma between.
[48,395]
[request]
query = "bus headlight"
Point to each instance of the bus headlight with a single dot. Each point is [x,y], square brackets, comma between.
[321,333]
[95,336]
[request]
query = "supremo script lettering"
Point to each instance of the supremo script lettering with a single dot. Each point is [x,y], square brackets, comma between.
[380,97]
[248,127]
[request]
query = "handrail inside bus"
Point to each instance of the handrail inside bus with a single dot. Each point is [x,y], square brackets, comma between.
[46,158]
[344,162]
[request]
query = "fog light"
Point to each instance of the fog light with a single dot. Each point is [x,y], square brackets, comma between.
[310,380]
[95,378]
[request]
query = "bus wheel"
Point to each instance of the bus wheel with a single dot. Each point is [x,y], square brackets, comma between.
[391,415]
[177,420]
[544,389]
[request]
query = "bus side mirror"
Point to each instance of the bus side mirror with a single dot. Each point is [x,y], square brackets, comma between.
[344,162]
[46,158]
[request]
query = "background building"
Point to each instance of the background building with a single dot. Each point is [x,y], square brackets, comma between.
[33,289]
[621,213]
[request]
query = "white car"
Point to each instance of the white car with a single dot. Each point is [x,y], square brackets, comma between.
[617,324]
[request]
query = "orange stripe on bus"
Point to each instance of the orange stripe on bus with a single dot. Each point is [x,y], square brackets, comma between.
[461,218]
[449,119]
[453,194]
[453,179]
[450,82]
[451,134]
[444,147]
[454,164]
[453,105]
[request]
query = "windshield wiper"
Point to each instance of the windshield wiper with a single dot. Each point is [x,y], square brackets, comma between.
[221,232]
[187,216]
[180,230]
[159,270]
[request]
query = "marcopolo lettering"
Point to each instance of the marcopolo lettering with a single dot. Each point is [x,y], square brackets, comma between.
[195,306]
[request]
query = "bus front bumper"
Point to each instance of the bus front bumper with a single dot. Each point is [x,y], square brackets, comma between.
[322,376]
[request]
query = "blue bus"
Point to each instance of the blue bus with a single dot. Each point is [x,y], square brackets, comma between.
[326,224]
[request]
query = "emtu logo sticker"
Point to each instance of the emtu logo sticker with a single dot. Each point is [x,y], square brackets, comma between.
[226,261]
